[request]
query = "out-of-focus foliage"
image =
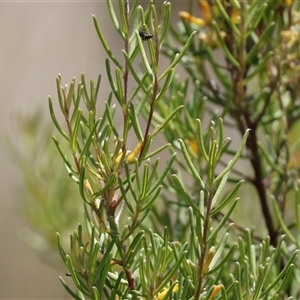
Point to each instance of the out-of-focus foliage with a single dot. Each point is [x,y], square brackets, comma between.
[168,230]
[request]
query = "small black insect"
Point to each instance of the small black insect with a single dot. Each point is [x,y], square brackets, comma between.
[145,35]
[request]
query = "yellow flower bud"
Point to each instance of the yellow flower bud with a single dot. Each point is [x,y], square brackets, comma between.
[216,291]
[88,187]
[288,2]
[208,259]
[130,158]
[188,17]
[193,145]
[205,8]
[162,294]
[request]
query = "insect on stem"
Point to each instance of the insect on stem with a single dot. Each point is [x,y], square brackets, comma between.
[145,35]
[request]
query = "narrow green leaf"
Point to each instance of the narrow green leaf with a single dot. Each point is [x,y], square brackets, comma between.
[135,123]
[279,277]
[76,103]
[222,76]
[214,267]
[133,8]
[60,248]
[82,288]
[235,158]
[145,184]
[236,4]
[153,56]
[147,90]
[259,282]
[165,22]
[143,272]
[143,55]
[156,151]
[112,84]
[154,170]
[226,17]
[269,158]
[63,156]
[193,253]
[74,137]
[93,260]
[140,81]
[92,242]
[133,249]
[200,139]
[85,94]
[97,88]
[54,120]
[142,217]
[179,56]
[123,14]
[111,122]
[109,184]
[182,192]
[162,175]
[75,296]
[70,95]
[105,45]
[124,195]
[166,121]
[136,172]
[227,53]
[191,166]
[104,265]
[212,163]
[223,221]
[220,138]
[60,97]
[280,220]
[114,18]
[260,66]
[151,199]
[227,200]
[85,149]
[82,180]
[172,271]
[166,85]
[119,84]
[96,293]
[286,282]
[254,50]
[143,103]
[256,19]
[92,104]
[297,208]
[219,190]
[130,183]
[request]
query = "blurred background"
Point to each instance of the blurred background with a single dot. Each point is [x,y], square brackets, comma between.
[39,40]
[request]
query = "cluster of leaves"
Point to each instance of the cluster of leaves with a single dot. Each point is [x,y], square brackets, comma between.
[241,57]
[245,60]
